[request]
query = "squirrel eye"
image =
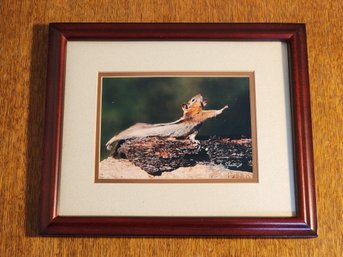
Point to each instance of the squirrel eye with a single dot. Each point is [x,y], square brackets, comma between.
[193,100]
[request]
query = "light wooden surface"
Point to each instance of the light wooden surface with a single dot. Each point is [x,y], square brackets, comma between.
[23,49]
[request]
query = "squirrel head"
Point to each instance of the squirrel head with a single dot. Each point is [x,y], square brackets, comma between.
[196,102]
[194,105]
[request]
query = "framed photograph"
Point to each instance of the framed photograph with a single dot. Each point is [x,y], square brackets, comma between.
[191,148]
[178,130]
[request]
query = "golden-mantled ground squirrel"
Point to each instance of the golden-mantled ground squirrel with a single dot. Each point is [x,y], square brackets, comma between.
[185,127]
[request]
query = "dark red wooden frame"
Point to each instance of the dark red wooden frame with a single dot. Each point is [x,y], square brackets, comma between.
[304,224]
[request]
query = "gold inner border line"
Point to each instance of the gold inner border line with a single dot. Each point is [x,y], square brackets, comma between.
[124,74]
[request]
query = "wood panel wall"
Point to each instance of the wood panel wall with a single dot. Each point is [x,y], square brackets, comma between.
[23,50]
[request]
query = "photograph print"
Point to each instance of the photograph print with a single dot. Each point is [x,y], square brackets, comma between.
[176,127]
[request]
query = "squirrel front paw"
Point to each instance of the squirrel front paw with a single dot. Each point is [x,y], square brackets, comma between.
[222,109]
[225,107]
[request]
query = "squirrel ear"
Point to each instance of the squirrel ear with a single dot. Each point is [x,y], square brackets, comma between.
[184,106]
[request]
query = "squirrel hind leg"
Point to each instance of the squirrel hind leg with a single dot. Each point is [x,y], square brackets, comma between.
[109,146]
[114,149]
[192,138]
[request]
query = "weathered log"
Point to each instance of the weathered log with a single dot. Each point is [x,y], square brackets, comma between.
[156,155]
[232,154]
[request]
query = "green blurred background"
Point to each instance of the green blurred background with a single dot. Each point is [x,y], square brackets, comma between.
[126,101]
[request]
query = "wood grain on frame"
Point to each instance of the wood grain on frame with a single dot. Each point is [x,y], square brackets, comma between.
[304,224]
